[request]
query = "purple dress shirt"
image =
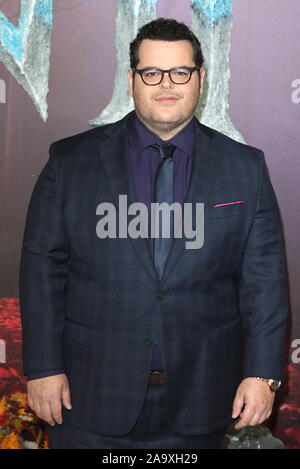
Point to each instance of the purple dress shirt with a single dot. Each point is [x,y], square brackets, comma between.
[144,163]
[144,166]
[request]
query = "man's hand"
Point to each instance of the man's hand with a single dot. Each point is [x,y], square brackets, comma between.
[45,396]
[257,399]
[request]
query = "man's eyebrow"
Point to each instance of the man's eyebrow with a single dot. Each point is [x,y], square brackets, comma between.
[176,66]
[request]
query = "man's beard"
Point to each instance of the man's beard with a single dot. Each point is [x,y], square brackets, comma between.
[164,126]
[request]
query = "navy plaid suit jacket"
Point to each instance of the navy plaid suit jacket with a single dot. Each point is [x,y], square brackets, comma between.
[92,306]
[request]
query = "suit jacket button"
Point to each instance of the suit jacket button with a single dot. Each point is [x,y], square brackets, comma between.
[160,295]
[147,342]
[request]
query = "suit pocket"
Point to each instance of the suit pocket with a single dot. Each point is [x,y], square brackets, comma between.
[230,210]
[74,332]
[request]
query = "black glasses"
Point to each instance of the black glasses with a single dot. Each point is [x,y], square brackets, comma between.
[152,76]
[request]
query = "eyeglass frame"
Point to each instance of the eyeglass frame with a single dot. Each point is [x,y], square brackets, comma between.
[140,72]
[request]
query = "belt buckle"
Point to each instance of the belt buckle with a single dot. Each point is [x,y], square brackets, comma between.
[159,377]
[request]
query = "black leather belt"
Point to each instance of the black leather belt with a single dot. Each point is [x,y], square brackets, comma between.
[157,377]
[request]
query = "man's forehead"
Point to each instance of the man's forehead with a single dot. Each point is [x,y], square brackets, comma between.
[156,50]
[157,44]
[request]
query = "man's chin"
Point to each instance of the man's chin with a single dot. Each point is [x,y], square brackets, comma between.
[167,126]
[163,123]
[166,122]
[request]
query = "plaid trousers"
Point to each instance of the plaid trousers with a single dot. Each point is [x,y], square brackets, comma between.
[149,431]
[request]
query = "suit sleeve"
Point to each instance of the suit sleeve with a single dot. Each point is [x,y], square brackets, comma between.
[43,274]
[263,292]
[45,374]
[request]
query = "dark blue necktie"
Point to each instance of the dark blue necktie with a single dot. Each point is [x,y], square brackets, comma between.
[163,192]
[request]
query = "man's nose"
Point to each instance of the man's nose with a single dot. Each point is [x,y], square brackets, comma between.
[166,81]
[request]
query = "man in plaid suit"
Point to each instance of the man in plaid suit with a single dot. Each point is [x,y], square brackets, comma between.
[122,350]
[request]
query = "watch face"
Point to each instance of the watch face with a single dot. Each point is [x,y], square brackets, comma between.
[275,385]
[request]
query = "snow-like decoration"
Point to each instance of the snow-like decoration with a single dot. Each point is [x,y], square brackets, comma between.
[25,49]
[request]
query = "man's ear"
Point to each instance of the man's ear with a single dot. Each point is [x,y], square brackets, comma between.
[130,81]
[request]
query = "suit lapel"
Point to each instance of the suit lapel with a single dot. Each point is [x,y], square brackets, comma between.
[204,173]
[115,157]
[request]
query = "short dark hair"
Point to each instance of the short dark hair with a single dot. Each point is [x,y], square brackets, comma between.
[165,29]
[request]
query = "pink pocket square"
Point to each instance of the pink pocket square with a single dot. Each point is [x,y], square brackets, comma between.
[230,203]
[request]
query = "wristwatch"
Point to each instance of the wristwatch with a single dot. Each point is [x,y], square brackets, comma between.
[273,383]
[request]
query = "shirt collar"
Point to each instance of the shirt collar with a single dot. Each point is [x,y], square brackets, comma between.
[141,136]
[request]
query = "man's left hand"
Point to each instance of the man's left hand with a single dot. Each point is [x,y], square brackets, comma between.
[253,402]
